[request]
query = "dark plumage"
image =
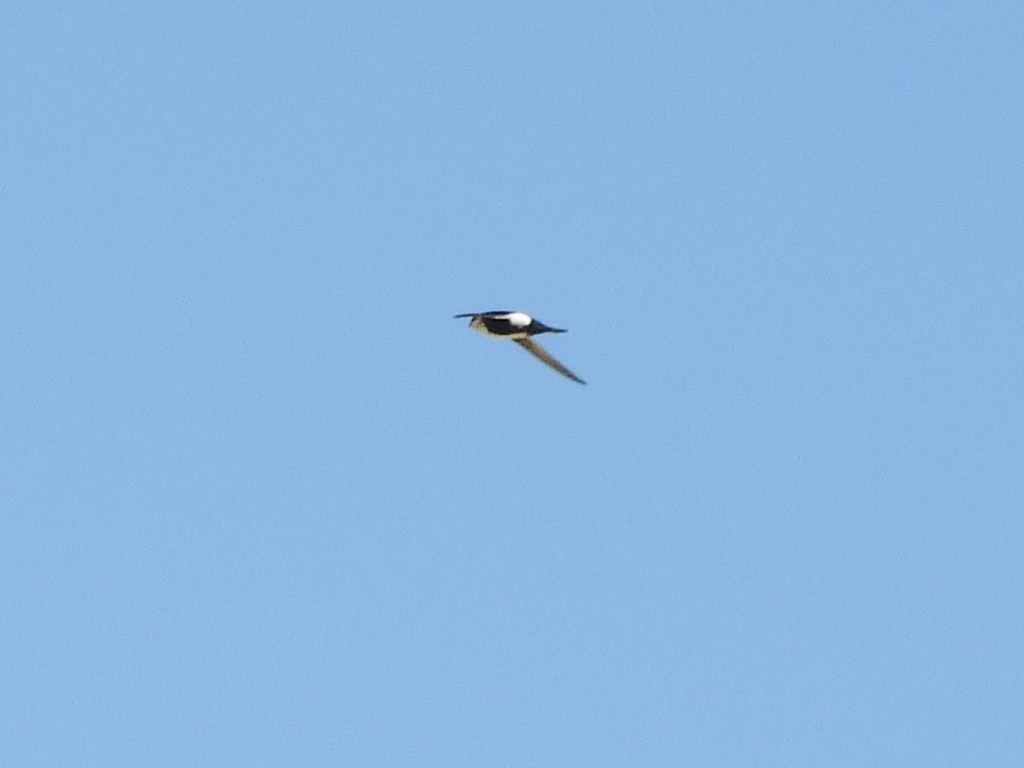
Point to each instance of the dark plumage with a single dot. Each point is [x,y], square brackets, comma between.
[519,327]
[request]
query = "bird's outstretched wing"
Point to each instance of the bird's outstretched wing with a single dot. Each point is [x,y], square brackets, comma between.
[541,354]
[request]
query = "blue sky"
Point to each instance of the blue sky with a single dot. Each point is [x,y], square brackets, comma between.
[264,502]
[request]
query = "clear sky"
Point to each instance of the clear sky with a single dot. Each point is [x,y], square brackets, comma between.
[264,502]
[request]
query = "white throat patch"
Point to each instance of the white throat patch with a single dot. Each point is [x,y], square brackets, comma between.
[477,324]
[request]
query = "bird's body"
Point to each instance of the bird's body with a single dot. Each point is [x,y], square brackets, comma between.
[519,327]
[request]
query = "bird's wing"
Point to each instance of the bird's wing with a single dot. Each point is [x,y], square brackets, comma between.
[541,354]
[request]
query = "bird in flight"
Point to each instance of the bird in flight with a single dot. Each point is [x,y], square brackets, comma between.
[521,328]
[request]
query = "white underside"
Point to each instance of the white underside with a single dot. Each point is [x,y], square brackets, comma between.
[477,324]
